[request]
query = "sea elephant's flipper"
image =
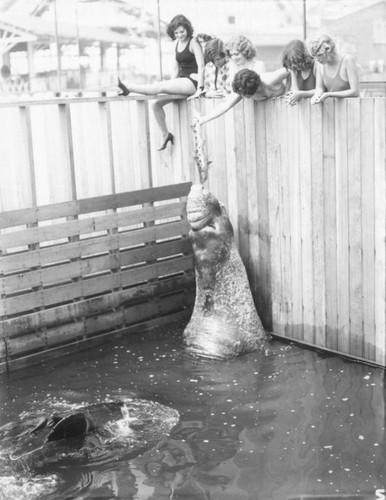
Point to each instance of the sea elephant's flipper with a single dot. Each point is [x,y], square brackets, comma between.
[74,425]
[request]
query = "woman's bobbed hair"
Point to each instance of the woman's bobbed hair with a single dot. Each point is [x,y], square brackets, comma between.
[246,82]
[176,22]
[241,44]
[322,43]
[296,53]
[213,49]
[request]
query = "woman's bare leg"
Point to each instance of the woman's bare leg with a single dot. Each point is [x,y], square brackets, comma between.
[175,86]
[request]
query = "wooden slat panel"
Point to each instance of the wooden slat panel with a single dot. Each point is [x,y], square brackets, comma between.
[94,326]
[342,226]
[90,225]
[82,268]
[330,223]
[92,246]
[273,172]
[368,227]
[67,313]
[306,220]
[263,272]
[318,229]
[285,217]
[380,229]
[355,231]
[295,224]
[93,286]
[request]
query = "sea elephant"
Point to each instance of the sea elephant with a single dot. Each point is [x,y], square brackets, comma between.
[224,322]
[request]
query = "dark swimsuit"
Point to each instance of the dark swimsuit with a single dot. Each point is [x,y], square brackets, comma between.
[187,64]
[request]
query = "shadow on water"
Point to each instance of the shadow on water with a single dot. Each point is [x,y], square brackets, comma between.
[284,423]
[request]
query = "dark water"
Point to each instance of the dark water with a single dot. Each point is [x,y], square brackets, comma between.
[284,423]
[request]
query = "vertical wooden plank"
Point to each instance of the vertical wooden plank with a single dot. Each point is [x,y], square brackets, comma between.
[263,296]
[330,222]
[214,136]
[106,109]
[318,230]
[251,184]
[91,152]
[368,226]
[66,133]
[306,220]
[124,136]
[380,229]
[144,153]
[285,217]
[189,170]
[342,225]
[232,207]
[273,169]
[15,172]
[295,223]
[355,227]
[241,185]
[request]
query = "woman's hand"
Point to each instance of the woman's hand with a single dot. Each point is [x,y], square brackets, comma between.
[318,99]
[292,97]
[198,93]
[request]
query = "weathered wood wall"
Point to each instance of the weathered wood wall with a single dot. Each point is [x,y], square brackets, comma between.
[304,186]
[75,270]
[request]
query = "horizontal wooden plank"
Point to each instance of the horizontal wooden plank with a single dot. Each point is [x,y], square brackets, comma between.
[132,198]
[67,313]
[21,261]
[93,286]
[82,268]
[64,350]
[90,225]
[42,213]
[17,346]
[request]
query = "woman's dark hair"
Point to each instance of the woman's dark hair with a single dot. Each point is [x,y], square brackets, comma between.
[177,21]
[296,53]
[246,82]
[214,49]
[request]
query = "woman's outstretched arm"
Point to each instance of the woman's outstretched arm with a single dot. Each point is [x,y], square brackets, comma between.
[222,108]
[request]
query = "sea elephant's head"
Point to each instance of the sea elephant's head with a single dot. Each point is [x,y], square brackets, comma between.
[211,230]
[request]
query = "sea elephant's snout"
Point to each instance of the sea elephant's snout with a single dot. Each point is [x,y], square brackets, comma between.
[199,207]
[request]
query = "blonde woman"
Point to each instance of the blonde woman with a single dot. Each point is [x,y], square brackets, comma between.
[337,74]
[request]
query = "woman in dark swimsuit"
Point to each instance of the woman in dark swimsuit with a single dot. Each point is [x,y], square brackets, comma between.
[302,68]
[188,78]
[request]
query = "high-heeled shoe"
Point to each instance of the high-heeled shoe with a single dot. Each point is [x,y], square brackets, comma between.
[169,137]
[124,89]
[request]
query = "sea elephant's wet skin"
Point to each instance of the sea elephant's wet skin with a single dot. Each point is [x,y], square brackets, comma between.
[224,322]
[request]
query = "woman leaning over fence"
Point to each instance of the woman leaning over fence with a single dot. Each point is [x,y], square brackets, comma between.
[188,77]
[302,68]
[247,83]
[337,74]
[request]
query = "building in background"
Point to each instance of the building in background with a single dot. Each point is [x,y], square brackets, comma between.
[94,40]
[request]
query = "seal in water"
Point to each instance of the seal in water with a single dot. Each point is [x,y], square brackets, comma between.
[123,428]
[224,322]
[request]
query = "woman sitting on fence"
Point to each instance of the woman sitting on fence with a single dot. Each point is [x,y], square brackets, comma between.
[188,78]
[302,68]
[247,83]
[337,74]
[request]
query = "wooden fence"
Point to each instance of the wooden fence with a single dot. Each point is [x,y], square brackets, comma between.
[304,186]
[80,269]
